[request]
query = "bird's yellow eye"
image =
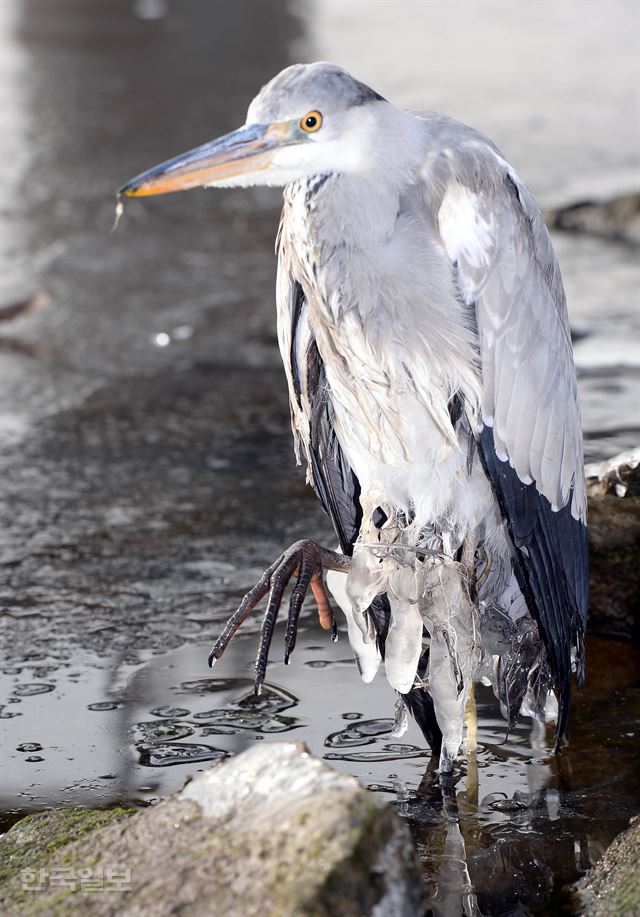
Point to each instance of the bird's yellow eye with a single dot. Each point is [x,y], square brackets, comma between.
[311,122]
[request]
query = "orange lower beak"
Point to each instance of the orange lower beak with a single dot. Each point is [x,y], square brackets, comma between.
[249,149]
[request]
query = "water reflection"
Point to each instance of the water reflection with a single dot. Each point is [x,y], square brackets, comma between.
[514,850]
[514,824]
[369,733]
[154,731]
[503,835]
[170,754]
[258,715]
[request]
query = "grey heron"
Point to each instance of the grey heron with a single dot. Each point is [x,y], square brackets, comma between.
[423,327]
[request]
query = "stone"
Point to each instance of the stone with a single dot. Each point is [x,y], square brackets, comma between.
[618,218]
[619,476]
[272,832]
[614,546]
[611,888]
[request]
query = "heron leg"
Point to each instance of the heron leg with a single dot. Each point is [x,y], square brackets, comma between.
[471,712]
[471,722]
[467,560]
[306,560]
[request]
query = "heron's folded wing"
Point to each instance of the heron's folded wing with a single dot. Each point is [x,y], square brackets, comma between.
[330,474]
[328,471]
[531,440]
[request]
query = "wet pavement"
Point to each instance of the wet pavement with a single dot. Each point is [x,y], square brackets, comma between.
[147,469]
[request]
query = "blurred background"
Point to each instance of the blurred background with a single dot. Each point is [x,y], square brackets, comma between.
[146,464]
[94,91]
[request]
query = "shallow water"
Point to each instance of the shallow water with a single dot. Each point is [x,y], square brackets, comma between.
[146,462]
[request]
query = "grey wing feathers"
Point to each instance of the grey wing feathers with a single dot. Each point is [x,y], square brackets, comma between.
[333,479]
[531,439]
[493,231]
[311,415]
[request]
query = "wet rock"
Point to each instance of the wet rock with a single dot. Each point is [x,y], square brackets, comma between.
[614,546]
[612,887]
[618,218]
[38,842]
[270,832]
[619,475]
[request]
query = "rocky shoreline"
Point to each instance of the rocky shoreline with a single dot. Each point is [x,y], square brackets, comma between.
[617,219]
[272,831]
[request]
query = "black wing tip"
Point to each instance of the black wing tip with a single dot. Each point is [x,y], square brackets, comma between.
[420,705]
[551,566]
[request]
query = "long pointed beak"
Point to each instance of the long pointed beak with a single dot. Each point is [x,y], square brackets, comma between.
[249,149]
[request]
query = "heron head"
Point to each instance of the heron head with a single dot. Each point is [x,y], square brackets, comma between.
[311,118]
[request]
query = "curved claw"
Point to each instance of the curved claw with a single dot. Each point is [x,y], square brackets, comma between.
[279,582]
[307,560]
[247,605]
[309,567]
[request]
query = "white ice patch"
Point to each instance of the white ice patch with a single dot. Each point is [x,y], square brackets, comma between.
[404,640]
[400,719]
[455,652]
[425,591]
[530,707]
[366,653]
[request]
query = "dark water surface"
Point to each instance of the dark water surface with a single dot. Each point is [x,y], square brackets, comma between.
[147,471]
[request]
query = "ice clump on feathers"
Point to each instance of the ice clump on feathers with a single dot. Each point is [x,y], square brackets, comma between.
[425,591]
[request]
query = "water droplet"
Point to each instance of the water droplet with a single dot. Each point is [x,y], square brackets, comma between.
[104,705]
[29,746]
[160,731]
[178,753]
[46,671]
[272,700]
[29,690]
[507,805]
[218,730]
[211,685]
[387,753]
[162,339]
[34,758]
[229,722]
[402,749]
[172,712]
[257,714]
[117,215]
[351,716]
[328,663]
[362,733]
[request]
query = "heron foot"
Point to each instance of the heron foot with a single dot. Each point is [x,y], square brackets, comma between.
[306,560]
